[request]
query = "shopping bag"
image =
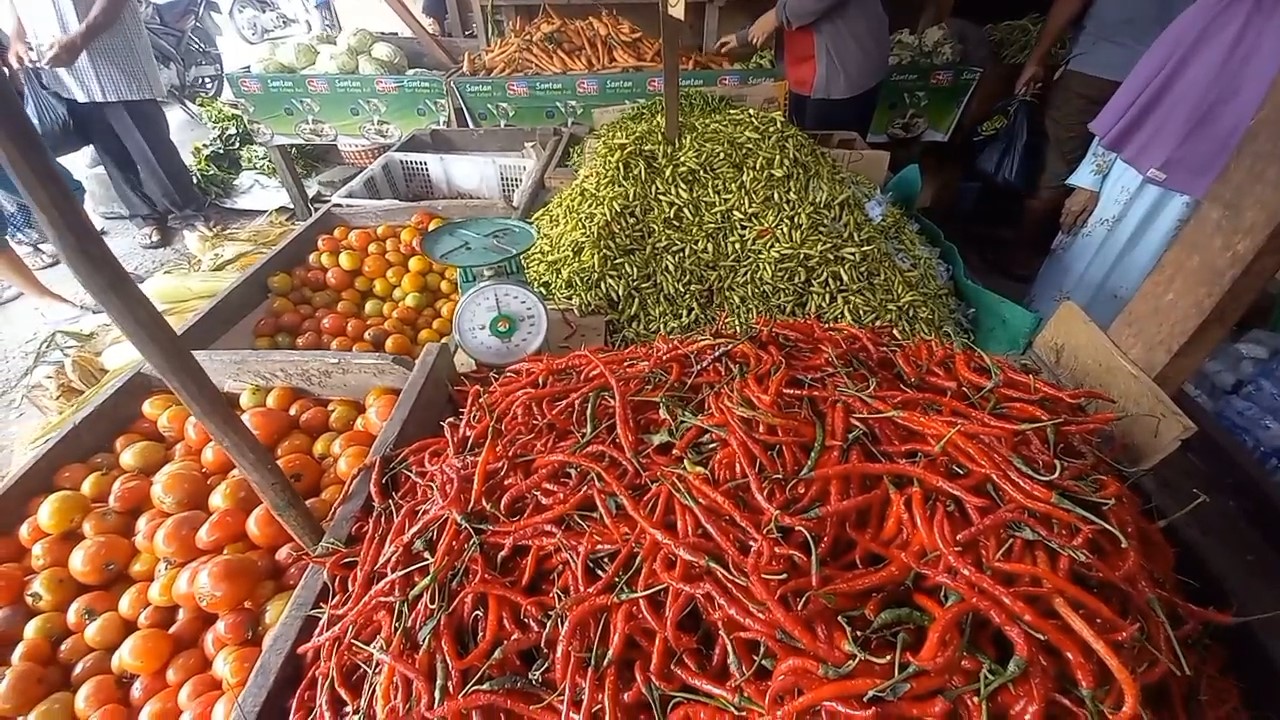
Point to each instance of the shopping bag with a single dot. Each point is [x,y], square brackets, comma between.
[1010,145]
[48,113]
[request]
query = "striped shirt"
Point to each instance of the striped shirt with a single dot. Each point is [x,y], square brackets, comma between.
[116,67]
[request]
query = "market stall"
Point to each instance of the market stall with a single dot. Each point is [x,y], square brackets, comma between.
[796,483]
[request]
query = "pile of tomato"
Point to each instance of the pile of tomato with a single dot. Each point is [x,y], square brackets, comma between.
[143,584]
[365,290]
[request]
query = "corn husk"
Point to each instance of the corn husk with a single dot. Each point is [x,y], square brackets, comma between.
[70,368]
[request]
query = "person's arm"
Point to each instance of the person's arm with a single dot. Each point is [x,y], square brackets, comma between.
[793,14]
[102,16]
[17,53]
[1062,16]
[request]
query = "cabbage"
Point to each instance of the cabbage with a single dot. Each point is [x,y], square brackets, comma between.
[297,55]
[389,54]
[370,66]
[314,70]
[268,67]
[358,40]
[345,62]
[418,71]
[324,38]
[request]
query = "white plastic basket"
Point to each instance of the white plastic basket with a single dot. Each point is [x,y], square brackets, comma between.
[415,177]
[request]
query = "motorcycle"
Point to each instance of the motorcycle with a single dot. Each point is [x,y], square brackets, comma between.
[184,40]
[259,21]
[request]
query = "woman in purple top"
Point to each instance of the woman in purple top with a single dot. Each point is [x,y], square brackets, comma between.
[1158,145]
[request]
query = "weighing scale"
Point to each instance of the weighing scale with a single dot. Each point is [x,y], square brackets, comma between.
[499,319]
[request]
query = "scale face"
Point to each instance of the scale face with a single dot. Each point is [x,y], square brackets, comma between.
[500,322]
[481,248]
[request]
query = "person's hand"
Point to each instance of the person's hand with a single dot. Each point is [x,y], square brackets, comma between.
[64,51]
[727,43]
[763,28]
[1077,209]
[1032,74]
[19,55]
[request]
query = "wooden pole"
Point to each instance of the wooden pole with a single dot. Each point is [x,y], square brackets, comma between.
[439,54]
[1215,268]
[670,11]
[98,270]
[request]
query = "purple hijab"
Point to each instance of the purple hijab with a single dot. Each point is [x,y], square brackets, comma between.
[1187,103]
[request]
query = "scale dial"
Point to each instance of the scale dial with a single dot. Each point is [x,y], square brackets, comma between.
[500,322]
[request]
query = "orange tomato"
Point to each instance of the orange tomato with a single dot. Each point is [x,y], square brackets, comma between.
[114,711]
[154,406]
[107,631]
[93,664]
[374,267]
[184,666]
[195,434]
[73,650]
[71,476]
[225,582]
[233,492]
[194,690]
[172,423]
[146,651]
[133,601]
[303,473]
[269,425]
[146,687]
[223,528]
[38,650]
[11,585]
[142,567]
[157,617]
[265,530]
[105,521]
[97,486]
[176,536]
[89,607]
[350,462]
[215,459]
[280,398]
[186,631]
[100,560]
[51,590]
[130,493]
[53,551]
[360,239]
[96,693]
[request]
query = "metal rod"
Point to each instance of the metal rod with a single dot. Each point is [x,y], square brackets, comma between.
[63,219]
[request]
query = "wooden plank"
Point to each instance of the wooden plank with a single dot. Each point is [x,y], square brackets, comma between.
[291,179]
[453,18]
[342,374]
[1080,354]
[711,25]
[435,50]
[670,71]
[425,403]
[481,22]
[1216,266]
[65,223]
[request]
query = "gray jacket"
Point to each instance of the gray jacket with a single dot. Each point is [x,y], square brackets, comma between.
[851,42]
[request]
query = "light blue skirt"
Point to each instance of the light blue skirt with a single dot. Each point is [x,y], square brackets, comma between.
[1101,264]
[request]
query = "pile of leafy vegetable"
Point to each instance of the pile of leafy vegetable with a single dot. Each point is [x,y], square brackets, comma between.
[231,150]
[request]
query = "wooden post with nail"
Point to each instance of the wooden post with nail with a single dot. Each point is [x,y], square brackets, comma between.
[670,11]
[32,169]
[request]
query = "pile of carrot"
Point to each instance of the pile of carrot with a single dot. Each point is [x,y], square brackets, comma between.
[554,45]
[808,521]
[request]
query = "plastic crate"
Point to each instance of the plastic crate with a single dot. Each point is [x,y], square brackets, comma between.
[416,177]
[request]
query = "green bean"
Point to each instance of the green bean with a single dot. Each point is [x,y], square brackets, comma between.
[674,238]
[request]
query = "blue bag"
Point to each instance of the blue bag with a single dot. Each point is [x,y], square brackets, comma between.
[48,113]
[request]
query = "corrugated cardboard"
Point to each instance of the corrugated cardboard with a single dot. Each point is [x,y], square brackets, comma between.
[1081,355]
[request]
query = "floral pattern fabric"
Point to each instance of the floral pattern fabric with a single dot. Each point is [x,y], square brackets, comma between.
[1101,264]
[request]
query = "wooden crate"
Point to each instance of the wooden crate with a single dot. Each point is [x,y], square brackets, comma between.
[227,322]
[425,403]
[324,374]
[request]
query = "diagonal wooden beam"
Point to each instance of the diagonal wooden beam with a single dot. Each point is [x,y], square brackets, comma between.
[429,42]
[1216,267]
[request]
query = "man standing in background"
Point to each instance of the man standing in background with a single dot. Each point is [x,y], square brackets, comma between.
[98,57]
[1112,35]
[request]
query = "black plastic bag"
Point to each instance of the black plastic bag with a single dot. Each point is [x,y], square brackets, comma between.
[1010,145]
[48,113]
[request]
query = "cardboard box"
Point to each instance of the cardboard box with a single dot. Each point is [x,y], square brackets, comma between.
[571,100]
[922,102]
[291,108]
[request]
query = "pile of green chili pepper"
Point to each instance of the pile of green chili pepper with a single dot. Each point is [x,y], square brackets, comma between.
[802,521]
[743,215]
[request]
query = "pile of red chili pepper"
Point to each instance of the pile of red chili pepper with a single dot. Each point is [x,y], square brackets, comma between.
[805,521]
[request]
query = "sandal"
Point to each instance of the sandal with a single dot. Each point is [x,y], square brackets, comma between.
[35,257]
[152,237]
